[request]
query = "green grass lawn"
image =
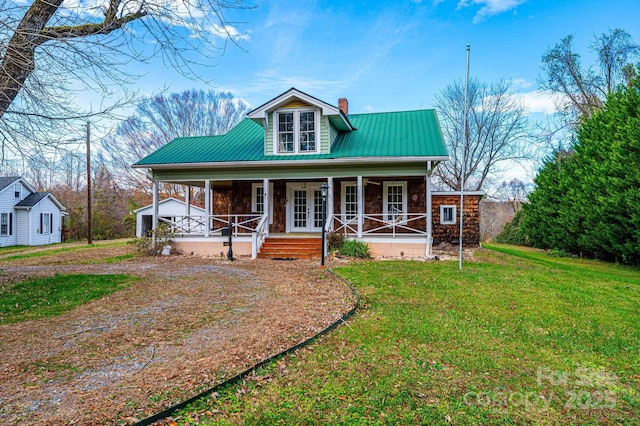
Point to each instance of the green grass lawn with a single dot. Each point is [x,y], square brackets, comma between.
[518,337]
[44,297]
[27,252]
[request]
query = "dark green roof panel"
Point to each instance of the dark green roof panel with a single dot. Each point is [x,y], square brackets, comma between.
[391,134]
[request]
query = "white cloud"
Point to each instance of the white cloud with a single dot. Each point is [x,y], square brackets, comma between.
[538,101]
[490,7]
[520,83]
[228,31]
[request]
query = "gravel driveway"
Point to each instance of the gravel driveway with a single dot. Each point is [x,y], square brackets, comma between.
[187,324]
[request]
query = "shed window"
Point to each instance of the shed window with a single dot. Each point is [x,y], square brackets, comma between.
[447,215]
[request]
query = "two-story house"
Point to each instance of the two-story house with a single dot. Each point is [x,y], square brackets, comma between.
[268,173]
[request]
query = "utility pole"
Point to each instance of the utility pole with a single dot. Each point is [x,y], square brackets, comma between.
[89,232]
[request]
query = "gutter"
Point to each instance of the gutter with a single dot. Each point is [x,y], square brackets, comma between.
[314,162]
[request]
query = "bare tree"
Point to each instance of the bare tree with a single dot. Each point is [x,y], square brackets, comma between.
[161,119]
[584,89]
[498,130]
[514,193]
[51,50]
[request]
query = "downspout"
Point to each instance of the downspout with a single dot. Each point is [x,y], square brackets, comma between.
[429,254]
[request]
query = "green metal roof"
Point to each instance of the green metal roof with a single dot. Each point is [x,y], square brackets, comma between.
[390,134]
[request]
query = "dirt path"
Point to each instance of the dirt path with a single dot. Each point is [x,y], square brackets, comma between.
[186,325]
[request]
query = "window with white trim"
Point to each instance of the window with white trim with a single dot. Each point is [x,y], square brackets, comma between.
[349,202]
[394,201]
[447,215]
[46,223]
[307,131]
[257,199]
[17,191]
[5,224]
[297,131]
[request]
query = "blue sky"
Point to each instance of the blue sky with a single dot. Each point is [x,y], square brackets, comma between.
[396,55]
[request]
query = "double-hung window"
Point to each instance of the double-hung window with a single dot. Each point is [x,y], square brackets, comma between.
[46,223]
[395,201]
[350,202]
[257,199]
[16,190]
[286,132]
[5,224]
[307,131]
[297,132]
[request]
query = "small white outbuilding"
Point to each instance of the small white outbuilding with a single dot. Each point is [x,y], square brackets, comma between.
[28,217]
[168,209]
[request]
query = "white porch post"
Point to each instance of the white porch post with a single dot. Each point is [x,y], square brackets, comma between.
[330,200]
[360,206]
[207,207]
[187,209]
[154,221]
[429,213]
[187,200]
[266,202]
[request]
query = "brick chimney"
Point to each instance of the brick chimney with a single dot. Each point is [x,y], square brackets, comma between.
[343,104]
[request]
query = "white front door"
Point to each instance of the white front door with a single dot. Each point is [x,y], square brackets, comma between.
[304,209]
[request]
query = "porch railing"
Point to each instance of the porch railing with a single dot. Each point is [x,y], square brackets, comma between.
[343,224]
[380,224]
[258,236]
[188,224]
[242,224]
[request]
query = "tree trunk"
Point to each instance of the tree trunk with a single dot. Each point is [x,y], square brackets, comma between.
[18,62]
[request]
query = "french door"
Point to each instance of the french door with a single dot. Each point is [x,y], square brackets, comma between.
[304,209]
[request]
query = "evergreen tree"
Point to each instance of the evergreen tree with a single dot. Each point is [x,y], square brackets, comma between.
[588,201]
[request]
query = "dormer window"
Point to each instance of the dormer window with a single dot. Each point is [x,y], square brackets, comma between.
[297,131]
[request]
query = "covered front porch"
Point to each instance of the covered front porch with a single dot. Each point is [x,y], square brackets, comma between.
[393,214]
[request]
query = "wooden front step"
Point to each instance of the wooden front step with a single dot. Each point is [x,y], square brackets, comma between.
[298,248]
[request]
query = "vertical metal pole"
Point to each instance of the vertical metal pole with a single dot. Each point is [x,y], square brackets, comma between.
[360,206]
[230,252]
[464,153]
[429,213]
[89,221]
